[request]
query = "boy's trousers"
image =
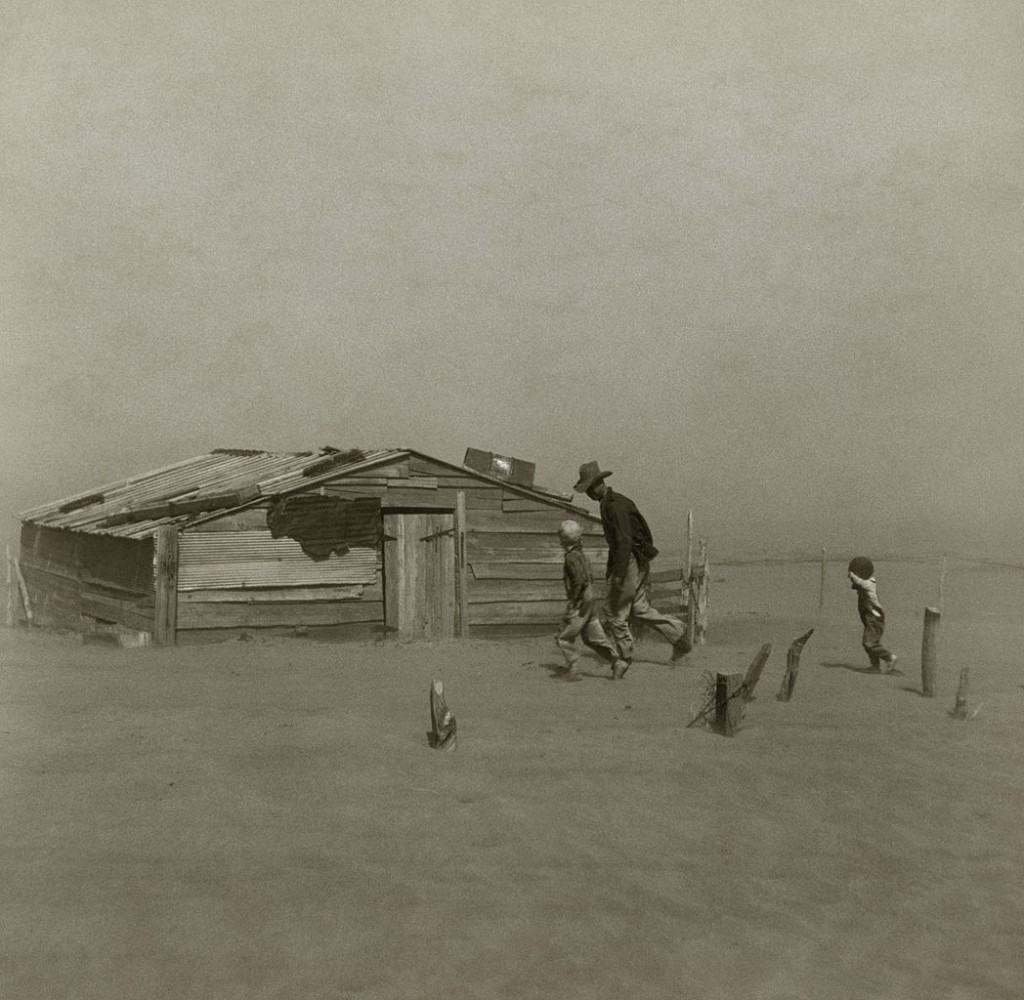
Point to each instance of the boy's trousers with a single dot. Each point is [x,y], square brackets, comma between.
[872,641]
[580,622]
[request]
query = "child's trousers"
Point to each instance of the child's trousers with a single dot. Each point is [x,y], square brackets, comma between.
[582,623]
[872,642]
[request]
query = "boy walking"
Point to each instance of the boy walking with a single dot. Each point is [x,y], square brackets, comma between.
[862,579]
[579,620]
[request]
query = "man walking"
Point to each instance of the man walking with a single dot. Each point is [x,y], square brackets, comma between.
[630,551]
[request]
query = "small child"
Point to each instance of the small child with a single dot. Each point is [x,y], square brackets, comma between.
[862,577]
[580,618]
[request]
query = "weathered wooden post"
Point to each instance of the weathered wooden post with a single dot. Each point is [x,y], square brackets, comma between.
[928,653]
[700,629]
[10,590]
[728,703]
[442,735]
[165,620]
[793,666]
[23,588]
[821,589]
[754,671]
[960,706]
[461,589]
[688,557]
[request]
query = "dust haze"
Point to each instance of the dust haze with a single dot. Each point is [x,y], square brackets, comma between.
[761,261]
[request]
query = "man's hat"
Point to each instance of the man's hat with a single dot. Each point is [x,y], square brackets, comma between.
[590,473]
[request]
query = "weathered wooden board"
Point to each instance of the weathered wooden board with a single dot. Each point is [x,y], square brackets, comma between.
[352,489]
[124,612]
[531,541]
[414,483]
[277,595]
[490,591]
[424,467]
[522,613]
[516,570]
[191,616]
[350,632]
[483,499]
[513,503]
[253,519]
[420,499]
[530,523]
[467,482]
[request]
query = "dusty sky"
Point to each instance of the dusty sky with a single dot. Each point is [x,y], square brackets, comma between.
[764,260]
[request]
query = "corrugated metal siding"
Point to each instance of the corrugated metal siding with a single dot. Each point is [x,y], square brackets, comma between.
[255,559]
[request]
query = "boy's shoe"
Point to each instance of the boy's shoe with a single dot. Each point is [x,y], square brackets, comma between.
[680,648]
[619,670]
[892,664]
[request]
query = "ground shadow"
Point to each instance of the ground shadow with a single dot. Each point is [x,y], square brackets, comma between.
[852,667]
[593,671]
[910,689]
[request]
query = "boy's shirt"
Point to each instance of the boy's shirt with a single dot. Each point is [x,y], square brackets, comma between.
[867,599]
[576,577]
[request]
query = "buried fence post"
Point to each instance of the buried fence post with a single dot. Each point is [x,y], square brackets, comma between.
[792,666]
[928,653]
[728,703]
[754,671]
[442,722]
[26,601]
[960,707]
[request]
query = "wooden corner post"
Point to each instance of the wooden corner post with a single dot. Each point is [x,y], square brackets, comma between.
[165,621]
[461,582]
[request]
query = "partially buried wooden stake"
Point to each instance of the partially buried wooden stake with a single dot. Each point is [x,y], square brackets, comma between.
[793,665]
[728,703]
[442,722]
[754,671]
[960,708]
[928,653]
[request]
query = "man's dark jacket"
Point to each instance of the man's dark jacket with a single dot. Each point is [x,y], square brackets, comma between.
[626,533]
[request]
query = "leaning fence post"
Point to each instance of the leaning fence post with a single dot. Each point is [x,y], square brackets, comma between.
[928,652]
[793,665]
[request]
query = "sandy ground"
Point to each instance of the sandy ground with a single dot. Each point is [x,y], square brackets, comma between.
[264,819]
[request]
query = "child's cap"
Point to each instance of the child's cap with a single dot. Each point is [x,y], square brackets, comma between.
[570,531]
[862,566]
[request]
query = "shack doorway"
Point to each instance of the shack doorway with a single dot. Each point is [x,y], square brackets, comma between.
[419,574]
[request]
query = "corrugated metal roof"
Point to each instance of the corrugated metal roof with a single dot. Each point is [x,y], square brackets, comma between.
[252,474]
[258,472]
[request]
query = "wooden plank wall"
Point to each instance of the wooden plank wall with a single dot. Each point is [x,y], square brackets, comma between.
[65,575]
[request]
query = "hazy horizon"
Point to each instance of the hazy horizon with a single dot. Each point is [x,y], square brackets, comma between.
[761,262]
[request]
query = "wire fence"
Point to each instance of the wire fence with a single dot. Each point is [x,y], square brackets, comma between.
[793,588]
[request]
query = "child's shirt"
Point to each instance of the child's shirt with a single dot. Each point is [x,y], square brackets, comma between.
[867,599]
[577,579]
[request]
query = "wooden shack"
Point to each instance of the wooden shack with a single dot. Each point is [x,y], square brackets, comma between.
[337,544]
